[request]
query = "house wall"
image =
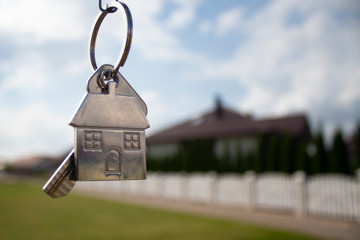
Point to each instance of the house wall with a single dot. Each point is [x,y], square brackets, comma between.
[162,150]
[233,147]
[91,161]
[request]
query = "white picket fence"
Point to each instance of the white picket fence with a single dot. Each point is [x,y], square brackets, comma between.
[334,196]
[324,196]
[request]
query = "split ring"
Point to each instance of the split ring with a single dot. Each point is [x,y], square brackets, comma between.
[126,44]
[105,76]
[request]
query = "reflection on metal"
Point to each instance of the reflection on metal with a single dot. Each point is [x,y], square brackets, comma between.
[60,183]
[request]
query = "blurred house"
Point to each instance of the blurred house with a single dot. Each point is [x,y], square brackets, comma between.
[35,165]
[227,133]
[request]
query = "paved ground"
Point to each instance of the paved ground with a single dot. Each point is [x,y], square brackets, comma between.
[313,227]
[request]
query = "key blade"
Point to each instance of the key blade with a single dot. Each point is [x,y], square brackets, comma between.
[60,183]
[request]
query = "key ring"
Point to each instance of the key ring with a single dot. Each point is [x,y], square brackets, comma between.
[126,45]
[108,10]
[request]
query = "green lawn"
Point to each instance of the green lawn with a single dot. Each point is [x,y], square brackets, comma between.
[27,213]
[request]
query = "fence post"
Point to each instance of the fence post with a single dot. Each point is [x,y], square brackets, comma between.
[184,186]
[300,193]
[250,178]
[159,190]
[357,172]
[213,187]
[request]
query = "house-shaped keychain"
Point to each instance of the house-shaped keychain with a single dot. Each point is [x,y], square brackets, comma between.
[109,124]
[109,137]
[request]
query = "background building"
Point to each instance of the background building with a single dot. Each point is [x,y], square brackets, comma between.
[224,140]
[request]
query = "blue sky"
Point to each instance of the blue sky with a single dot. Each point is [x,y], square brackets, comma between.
[266,58]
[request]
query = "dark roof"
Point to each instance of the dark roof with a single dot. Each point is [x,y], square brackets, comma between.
[296,125]
[223,122]
[35,163]
[110,111]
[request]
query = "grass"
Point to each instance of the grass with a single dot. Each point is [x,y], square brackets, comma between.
[27,213]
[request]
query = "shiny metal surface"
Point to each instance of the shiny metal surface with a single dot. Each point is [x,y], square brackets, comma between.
[110,111]
[108,10]
[126,44]
[97,163]
[109,136]
[122,87]
[61,183]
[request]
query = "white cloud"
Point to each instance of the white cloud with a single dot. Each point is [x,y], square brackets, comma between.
[204,27]
[156,39]
[40,20]
[258,96]
[150,36]
[28,75]
[32,128]
[32,61]
[228,21]
[157,107]
[183,15]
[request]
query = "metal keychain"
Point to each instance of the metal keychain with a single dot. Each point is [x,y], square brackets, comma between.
[109,124]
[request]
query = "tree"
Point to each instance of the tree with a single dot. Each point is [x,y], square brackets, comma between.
[241,161]
[272,154]
[318,162]
[357,147]
[321,152]
[261,154]
[225,161]
[339,159]
[285,152]
[301,157]
[198,155]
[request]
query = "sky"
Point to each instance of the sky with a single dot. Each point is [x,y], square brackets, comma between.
[265,58]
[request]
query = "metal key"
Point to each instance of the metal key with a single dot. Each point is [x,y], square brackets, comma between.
[60,183]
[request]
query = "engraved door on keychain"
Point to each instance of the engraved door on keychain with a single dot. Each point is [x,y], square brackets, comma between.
[109,124]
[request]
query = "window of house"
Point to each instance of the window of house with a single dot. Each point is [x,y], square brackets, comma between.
[93,140]
[131,141]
